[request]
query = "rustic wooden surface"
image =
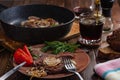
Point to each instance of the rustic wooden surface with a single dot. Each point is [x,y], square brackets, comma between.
[88,73]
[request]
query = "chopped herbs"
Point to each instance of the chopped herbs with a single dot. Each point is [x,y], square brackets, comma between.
[35,56]
[57,47]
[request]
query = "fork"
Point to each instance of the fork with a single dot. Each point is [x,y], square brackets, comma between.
[71,67]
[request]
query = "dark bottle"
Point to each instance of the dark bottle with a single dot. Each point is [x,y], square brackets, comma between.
[106,12]
[107,3]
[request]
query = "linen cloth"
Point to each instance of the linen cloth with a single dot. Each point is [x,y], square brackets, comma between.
[109,70]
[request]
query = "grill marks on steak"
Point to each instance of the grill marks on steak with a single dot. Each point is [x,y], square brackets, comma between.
[114,40]
[40,61]
[58,68]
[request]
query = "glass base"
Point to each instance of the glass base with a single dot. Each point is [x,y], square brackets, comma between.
[89,42]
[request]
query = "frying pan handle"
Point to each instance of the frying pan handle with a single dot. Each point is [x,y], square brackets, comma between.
[2,7]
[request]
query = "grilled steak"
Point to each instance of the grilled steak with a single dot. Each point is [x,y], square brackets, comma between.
[52,63]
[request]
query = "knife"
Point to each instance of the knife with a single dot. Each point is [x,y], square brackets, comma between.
[6,75]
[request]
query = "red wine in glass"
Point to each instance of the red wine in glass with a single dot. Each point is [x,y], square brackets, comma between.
[90,30]
[81,11]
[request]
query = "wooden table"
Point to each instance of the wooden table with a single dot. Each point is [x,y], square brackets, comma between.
[88,73]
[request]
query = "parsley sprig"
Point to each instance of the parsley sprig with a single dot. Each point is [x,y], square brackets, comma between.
[57,47]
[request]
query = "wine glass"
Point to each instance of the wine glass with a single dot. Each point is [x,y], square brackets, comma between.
[84,8]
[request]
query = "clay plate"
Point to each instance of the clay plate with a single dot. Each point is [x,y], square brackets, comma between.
[81,58]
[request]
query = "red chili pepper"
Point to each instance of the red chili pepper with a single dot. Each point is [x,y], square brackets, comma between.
[25,48]
[21,56]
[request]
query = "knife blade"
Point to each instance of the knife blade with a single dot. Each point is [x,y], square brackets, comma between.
[6,75]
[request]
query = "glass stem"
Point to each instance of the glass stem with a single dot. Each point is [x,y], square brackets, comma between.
[92,5]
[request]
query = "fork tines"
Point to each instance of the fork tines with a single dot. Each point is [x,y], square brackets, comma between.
[66,60]
[68,63]
[71,67]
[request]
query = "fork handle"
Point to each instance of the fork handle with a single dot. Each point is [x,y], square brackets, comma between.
[80,77]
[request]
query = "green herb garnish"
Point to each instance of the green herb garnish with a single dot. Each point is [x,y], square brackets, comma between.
[57,47]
